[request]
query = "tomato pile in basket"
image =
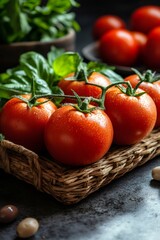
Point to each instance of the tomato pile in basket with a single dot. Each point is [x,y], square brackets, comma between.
[133,43]
[73,110]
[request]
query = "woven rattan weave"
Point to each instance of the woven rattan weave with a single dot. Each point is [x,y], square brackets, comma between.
[70,185]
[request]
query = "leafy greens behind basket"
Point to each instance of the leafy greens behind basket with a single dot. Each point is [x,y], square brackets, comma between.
[29,20]
[70,62]
[44,73]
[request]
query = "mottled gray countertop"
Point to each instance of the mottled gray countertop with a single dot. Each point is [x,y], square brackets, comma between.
[126,209]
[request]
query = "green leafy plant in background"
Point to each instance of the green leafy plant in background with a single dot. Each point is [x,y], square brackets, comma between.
[35,20]
[44,73]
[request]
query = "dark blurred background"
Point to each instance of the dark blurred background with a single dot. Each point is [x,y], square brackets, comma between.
[89,10]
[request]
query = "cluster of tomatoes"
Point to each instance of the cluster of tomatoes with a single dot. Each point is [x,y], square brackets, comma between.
[136,43]
[80,134]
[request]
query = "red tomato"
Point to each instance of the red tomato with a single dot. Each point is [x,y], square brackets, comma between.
[145,18]
[76,138]
[153,89]
[23,125]
[105,23]
[82,89]
[133,118]
[141,39]
[118,47]
[152,49]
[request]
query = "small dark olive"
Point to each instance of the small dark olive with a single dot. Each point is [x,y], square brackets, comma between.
[8,213]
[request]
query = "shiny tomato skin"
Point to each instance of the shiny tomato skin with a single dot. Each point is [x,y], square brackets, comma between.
[145,18]
[141,39]
[152,49]
[23,125]
[78,139]
[82,89]
[133,118]
[152,89]
[118,47]
[106,23]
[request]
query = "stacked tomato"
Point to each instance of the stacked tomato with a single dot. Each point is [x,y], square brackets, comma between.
[73,136]
[95,113]
[134,43]
[81,134]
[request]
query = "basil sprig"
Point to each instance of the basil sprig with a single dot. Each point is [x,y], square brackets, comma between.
[45,73]
[29,20]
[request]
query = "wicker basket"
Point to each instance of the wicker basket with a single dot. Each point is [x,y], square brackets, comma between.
[70,185]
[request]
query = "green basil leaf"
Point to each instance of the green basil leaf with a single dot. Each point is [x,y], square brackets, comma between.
[33,67]
[30,20]
[15,83]
[61,6]
[53,54]
[104,69]
[36,66]
[13,22]
[3,4]
[66,63]
[30,4]
[113,76]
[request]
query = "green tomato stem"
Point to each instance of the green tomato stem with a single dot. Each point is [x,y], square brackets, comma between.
[83,101]
[147,76]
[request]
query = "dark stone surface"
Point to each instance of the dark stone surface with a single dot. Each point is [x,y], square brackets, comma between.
[127,208]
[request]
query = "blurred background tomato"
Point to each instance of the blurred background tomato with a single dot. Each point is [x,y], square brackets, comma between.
[89,11]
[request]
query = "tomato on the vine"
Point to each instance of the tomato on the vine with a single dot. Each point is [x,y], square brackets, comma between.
[83,89]
[24,125]
[118,47]
[133,117]
[105,23]
[151,88]
[145,18]
[77,138]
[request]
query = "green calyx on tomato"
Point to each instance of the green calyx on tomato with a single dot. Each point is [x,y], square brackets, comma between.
[133,118]
[38,76]
[46,72]
[32,100]
[23,125]
[78,139]
[148,76]
[83,105]
[129,90]
[75,69]
[126,88]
